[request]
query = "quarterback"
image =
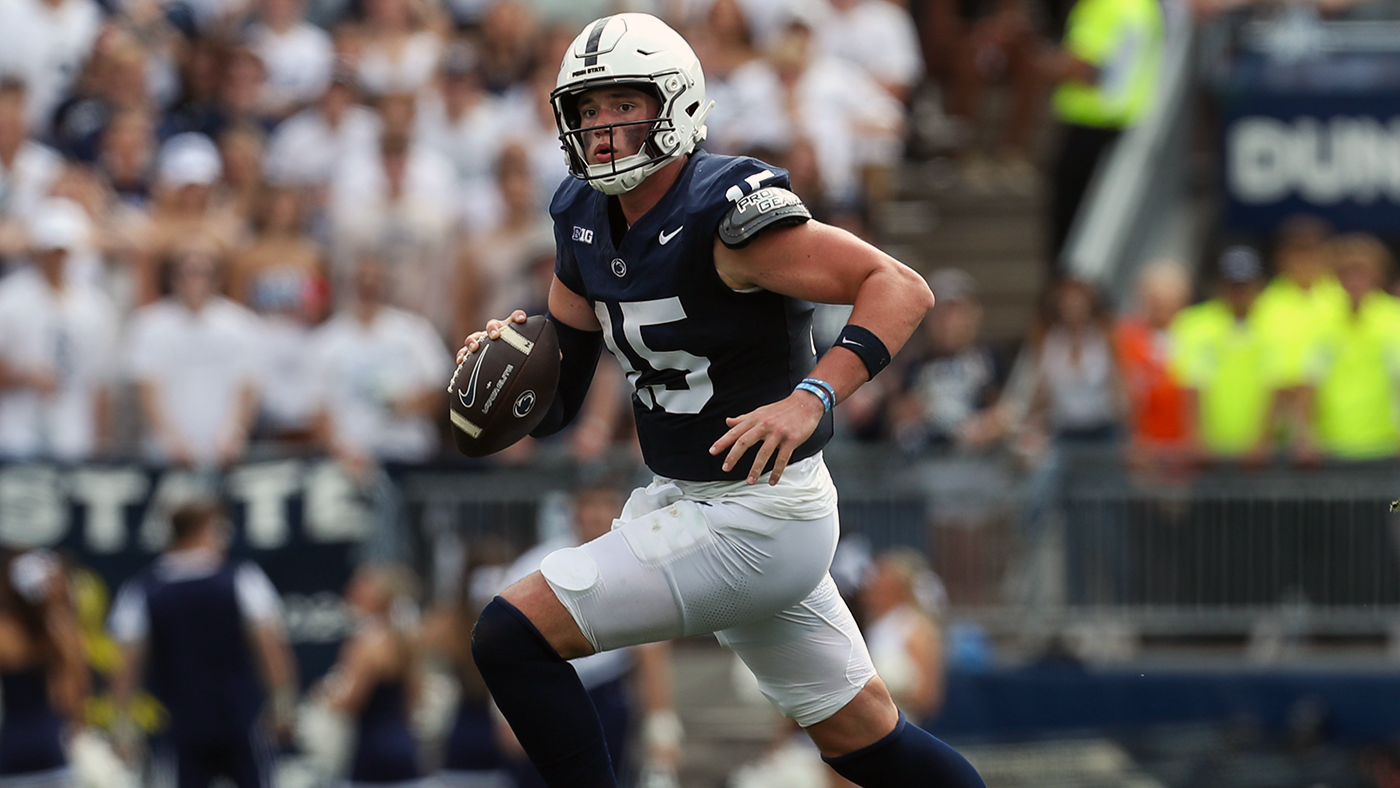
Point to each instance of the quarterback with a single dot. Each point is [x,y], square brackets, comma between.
[699,272]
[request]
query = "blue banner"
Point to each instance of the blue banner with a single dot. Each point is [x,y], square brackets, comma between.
[302,521]
[1335,156]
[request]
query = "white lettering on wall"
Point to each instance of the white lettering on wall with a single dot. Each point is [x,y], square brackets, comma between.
[1321,161]
[264,489]
[105,493]
[32,510]
[335,512]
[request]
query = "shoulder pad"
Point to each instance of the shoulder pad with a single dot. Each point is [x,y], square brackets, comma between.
[753,213]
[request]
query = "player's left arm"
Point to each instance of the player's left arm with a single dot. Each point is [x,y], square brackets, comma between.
[824,264]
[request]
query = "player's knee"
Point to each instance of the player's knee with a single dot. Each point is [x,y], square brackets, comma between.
[503,635]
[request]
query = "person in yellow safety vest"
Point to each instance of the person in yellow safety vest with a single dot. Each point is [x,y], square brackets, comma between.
[1304,299]
[1106,71]
[1220,354]
[1353,364]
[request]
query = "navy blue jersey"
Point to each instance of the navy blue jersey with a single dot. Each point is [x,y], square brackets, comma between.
[31,733]
[695,351]
[200,663]
[385,750]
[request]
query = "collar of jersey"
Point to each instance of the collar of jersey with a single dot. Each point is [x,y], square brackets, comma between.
[600,211]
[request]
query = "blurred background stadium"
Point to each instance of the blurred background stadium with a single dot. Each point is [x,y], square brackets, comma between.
[1145,444]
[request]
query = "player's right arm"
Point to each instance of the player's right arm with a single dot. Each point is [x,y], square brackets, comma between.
[580,342]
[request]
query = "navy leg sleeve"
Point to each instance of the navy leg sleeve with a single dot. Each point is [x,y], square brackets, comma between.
[541,697]
[909,757]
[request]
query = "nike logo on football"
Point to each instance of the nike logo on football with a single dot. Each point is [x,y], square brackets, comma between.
[666,237]
[468,401]
[844,341]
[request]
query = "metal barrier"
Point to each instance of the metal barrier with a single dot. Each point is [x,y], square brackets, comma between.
[1076,536]
[1079,537]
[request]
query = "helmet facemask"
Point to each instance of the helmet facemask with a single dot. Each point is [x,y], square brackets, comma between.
[661,143]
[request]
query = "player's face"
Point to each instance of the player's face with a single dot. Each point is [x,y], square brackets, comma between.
[603,106]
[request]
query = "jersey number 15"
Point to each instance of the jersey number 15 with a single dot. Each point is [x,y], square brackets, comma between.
[635,316]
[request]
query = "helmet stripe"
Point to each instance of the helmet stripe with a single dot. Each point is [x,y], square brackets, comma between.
[594,36]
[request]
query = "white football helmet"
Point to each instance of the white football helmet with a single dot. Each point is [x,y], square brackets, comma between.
[641,51]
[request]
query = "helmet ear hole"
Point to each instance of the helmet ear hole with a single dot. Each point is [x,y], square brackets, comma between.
[690,110]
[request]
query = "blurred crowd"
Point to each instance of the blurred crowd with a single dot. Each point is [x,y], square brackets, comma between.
[1295,359]
[229,223]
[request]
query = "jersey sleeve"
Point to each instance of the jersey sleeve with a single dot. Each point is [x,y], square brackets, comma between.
[129,620]
[257,598]
[729,186]
[565,264]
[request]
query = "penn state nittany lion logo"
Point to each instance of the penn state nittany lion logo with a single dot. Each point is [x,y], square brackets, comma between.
[618,267]
[523,404]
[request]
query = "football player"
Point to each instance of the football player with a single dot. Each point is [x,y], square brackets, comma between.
[698,272]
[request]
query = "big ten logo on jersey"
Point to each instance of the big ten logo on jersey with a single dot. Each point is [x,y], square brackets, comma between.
[582,234]
[124,508]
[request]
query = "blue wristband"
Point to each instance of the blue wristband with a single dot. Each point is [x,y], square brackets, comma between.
[830,389]
[817,392]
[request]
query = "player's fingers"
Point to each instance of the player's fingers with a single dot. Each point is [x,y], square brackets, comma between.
[780,464]
[764,452]
[735,430]
[741,444]
[518,316]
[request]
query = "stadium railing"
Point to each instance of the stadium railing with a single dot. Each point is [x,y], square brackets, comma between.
[1078,536]
[1075,536]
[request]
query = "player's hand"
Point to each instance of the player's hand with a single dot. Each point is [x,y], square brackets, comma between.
[493,331]
[777,429]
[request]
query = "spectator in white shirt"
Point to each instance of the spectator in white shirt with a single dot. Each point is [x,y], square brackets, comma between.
[308,148]
[56,347]
[27,169]
[463,121]
[880,37]
[402,51]
[508,38]
[795,93]
[381,373]
[281,276]
[194,356]
[528,117]
[188,208]
[46,43]
[297,54]
[399,199]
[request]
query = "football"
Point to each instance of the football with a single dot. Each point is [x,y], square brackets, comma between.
[503,390]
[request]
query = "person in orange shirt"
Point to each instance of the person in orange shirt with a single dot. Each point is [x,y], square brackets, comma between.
[1158,405]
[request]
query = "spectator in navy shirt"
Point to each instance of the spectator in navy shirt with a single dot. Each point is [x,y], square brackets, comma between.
[206,632]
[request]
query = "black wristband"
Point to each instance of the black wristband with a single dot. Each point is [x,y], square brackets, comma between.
[864,343]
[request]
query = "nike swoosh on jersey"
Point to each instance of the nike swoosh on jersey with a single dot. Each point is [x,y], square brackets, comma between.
[467,402]
[666,237]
